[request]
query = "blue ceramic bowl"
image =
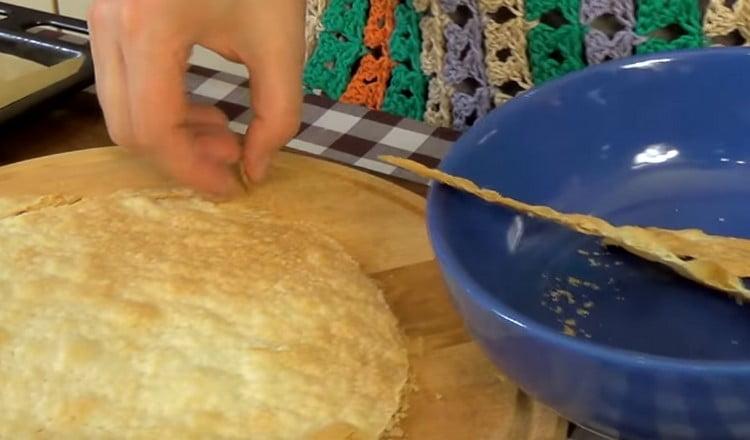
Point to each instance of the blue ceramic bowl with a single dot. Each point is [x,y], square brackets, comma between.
[658,140]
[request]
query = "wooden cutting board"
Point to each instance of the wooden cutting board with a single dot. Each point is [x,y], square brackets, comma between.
[459,394]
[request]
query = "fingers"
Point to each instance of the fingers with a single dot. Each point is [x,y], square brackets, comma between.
[277,106]
[216,143]
[158,105]
[275,63]
[139,64]
[213,138]
[140,61]
[109,71]
[161,116]
[139,80]
[200,114]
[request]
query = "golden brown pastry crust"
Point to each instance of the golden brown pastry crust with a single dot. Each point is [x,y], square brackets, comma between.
[158,315]
[714,261]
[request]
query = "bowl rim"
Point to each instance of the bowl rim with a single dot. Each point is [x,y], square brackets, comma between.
[453,268]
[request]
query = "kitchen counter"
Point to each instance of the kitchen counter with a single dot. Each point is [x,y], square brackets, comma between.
[74,122]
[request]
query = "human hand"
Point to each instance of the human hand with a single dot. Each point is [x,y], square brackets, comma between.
[141,49]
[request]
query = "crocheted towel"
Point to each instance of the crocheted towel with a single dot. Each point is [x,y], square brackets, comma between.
[313,25]
[450,62]
[505,45]
[340,46]
[406,94]
[368,85]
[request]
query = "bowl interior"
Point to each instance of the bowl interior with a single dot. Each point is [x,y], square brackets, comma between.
[660,140]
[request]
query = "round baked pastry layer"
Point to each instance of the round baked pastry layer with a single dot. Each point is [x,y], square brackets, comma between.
[161,315]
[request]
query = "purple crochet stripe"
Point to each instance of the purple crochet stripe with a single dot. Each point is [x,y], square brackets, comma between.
[463,66]
[465,105]
[599,46]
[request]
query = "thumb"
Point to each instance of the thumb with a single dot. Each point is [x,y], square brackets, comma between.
[273,49]
[276,100]
[267,133]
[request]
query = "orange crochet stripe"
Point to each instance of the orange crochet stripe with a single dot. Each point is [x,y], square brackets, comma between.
[370,82]
[380,23]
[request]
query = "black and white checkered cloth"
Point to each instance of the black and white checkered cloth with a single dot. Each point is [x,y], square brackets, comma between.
[345,133]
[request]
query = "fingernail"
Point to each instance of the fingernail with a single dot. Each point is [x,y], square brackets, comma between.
[242,172]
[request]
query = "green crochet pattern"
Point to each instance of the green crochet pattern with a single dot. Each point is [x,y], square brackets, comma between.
[407,90]
[406,94]
[535,9]
[655,15]
[340,46]
[406,40]
[557,48]
[347,17]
